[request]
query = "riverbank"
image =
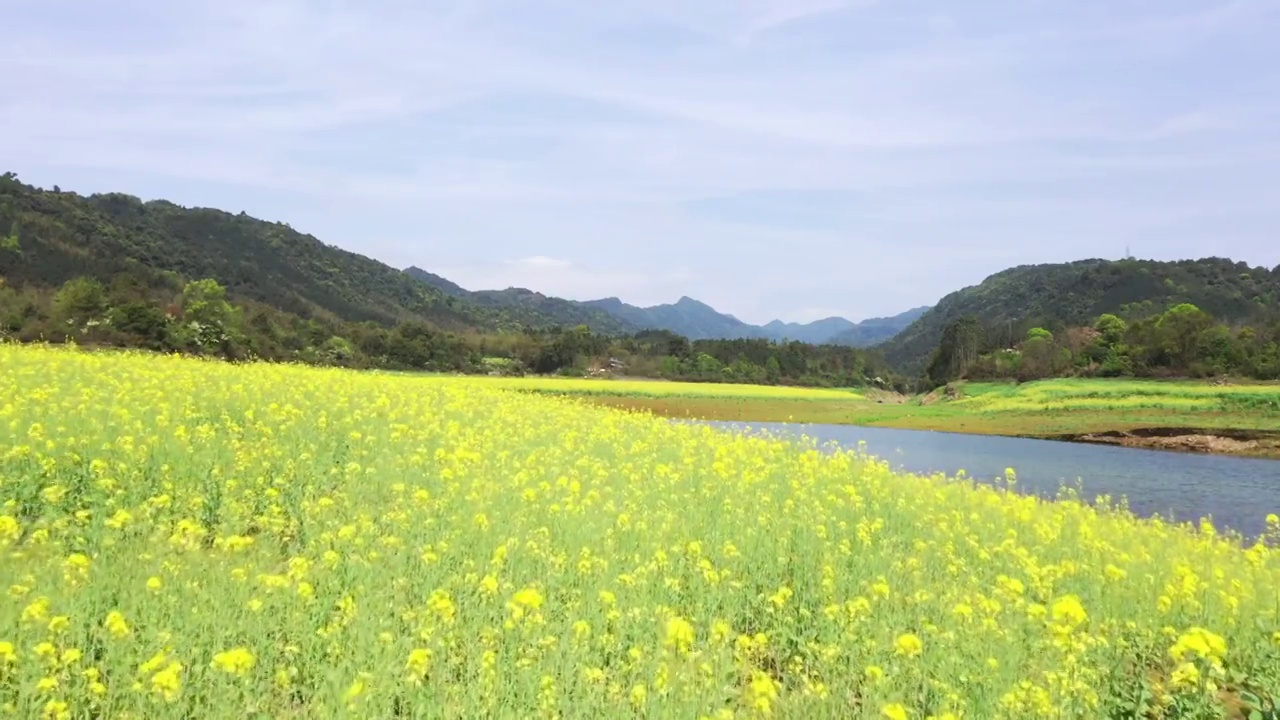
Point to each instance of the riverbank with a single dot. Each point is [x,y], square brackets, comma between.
[1187,416]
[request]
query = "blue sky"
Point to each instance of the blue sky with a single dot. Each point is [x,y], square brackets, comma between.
[774,158]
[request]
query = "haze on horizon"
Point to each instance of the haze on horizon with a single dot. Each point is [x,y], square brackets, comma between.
[789,159]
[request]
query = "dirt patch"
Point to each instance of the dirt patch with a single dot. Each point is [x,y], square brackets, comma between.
[947,393]
[1229,442]
[885,397]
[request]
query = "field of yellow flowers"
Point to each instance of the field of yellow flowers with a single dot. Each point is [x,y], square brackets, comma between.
[190,539]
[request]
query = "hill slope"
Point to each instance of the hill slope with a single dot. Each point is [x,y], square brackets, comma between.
[60,235]
[1075,293]
[52,236]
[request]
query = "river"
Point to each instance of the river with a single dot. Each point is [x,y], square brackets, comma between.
[1235,492]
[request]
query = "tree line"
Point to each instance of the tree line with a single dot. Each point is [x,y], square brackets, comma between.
[1181,341]
[136,310]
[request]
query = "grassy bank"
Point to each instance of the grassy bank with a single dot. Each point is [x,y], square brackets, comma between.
[1234,418]
[185,538]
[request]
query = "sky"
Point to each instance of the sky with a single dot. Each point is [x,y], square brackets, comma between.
[789,159]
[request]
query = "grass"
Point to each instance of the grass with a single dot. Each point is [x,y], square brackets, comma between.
[185,538]
[1050,408]
[668,389]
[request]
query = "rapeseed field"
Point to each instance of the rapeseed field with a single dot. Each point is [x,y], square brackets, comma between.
[189,539]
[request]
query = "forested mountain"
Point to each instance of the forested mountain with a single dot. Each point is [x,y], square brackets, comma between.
[876,330]
[532,307]
[1059,296]
[445,285]
[55,236]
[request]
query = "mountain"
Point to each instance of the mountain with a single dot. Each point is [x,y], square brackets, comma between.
[48,237]
[688,317]
[875,330]
[448,287]
[57,236]
[816,332]
[1060,295]
[697,320]
[532,307]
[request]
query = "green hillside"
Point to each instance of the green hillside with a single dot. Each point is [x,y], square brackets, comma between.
[56,236]
[51,237]
[1057,296]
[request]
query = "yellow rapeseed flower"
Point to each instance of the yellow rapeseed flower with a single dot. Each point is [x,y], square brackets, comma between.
[56,710]
[908,644]
[418,663]
[1068,611]
[894,711]
[1185,675]
[116,624]
[167,683]
[679,635]
[237,661]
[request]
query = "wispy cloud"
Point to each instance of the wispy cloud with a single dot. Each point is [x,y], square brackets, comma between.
[791,155]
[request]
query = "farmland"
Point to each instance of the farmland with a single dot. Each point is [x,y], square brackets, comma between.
[1239,418]
[188,538]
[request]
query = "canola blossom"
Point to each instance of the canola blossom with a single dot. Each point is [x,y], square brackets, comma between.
[187,538]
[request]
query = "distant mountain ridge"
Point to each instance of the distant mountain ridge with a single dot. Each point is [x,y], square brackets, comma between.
[872,331]
[697,320]
[691,318]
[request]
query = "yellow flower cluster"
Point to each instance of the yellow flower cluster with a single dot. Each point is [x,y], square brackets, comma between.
[186,538]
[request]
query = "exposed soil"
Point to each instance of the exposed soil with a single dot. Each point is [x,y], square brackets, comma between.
[1230,442]
[885,397]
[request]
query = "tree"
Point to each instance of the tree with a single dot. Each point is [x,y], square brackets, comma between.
[79,300]
[143,322]
[1179,331]
[707,365]
[209,321]
[1039,356]
[961,343]
[772,370]
[1112,329]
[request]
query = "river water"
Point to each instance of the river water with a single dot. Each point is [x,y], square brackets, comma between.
[1235,493]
